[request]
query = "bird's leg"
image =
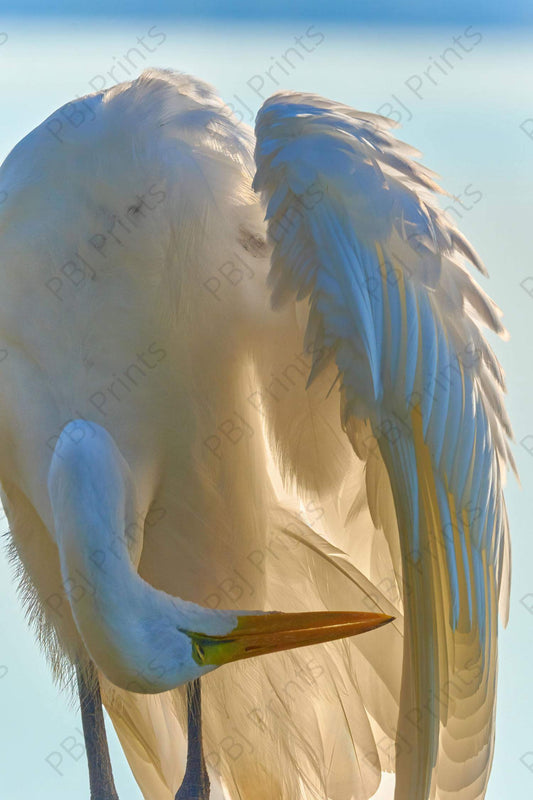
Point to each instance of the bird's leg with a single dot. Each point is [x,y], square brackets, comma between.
[195,784]
[101,781]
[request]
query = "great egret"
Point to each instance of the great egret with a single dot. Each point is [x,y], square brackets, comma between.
[306,421]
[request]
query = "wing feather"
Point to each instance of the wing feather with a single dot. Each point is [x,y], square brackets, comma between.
[390,299]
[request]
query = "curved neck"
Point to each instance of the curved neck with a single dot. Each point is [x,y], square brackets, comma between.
[131,630]
[142,639]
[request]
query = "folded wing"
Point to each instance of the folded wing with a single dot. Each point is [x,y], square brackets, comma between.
[358,237]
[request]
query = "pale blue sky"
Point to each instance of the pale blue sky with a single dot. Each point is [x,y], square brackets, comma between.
[465,116]
[390,11]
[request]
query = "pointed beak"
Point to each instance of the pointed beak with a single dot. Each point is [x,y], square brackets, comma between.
[258,634]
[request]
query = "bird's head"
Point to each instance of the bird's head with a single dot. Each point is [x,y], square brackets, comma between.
[196,640]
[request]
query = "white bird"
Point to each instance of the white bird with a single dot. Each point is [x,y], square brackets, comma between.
[202,411]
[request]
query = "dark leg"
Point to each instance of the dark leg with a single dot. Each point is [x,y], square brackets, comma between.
[195,784]
[92,717]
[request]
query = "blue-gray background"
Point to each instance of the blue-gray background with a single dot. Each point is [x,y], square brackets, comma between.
[458,77]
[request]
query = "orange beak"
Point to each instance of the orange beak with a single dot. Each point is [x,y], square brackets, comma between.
[258,634]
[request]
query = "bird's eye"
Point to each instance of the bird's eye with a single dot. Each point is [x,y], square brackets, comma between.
[198,652]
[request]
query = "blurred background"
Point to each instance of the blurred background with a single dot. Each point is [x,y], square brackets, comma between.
[457,76]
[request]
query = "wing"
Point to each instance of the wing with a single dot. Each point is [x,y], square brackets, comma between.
[357,236]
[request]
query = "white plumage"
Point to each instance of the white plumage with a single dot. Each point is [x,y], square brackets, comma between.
[341,447]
